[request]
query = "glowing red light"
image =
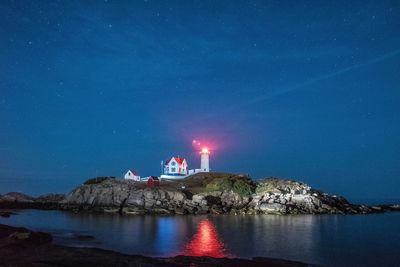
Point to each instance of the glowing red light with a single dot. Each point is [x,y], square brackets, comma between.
[206,242]
[205,150]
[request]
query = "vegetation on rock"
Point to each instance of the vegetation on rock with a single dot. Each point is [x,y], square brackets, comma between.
[239,184]
[243,188]
[98,180]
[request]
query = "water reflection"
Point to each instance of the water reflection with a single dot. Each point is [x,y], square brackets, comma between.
[169,235]
[206,242]
[326,240]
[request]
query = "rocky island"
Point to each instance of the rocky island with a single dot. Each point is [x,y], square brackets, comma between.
[202,193]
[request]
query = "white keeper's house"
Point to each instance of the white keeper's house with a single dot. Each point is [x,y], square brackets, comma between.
[175,168]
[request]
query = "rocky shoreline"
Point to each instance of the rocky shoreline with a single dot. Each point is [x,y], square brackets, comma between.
[208,193]
[23,247]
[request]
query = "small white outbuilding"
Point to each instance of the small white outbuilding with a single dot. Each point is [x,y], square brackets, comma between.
[132,175]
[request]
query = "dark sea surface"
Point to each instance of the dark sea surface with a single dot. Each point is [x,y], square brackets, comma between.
[329,240]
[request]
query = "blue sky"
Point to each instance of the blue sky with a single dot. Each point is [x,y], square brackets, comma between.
[302,89]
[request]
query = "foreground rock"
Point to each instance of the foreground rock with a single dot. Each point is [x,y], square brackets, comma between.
[214,193]
[22,247]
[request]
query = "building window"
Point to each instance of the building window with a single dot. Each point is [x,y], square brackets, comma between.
[173,169]
[173,163]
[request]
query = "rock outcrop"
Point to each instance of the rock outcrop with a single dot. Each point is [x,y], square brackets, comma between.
[16,197]
[207,193]
[290,197]
[21,201]
[269,196]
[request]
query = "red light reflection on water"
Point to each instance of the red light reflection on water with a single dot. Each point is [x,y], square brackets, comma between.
[206,242]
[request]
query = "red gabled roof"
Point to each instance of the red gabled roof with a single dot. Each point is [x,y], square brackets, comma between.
[179,160]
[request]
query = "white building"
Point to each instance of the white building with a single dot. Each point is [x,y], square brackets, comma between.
[132,175]
[175,168]
[205,160]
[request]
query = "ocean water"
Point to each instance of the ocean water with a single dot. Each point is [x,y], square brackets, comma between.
[328,240]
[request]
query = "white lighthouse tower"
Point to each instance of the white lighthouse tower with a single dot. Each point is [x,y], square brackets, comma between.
[205,160]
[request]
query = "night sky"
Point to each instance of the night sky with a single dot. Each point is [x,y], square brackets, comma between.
[306,90]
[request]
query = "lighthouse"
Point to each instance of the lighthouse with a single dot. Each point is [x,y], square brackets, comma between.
[205,160]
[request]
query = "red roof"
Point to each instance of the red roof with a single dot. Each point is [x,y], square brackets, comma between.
[179,160]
